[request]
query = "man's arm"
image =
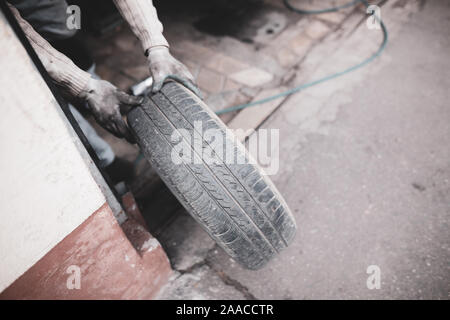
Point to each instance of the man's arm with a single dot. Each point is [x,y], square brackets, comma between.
[103,99]
[142,17]
[60,68]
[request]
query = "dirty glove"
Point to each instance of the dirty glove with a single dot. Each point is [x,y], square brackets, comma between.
[107,103]
[163,67]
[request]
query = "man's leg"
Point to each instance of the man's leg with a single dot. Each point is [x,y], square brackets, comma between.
[101,147]
[117,169]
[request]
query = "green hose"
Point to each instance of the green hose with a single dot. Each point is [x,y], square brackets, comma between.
[324,79]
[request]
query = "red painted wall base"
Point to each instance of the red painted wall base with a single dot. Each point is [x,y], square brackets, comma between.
[115,262]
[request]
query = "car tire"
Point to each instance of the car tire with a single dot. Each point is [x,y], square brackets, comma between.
[236,203]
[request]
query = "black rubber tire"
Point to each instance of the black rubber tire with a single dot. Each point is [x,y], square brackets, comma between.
[236,204]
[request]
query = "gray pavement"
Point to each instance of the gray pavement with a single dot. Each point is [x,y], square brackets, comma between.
[367,176]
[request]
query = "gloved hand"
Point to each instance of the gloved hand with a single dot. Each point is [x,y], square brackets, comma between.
[107,103]
[163,66]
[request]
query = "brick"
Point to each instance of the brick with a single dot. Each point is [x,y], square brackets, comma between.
[317,29]
[290,32]
[301,44]
[193,52]
[332,17]
[111,267]
[122,82]
[104,72]
[286,57]
[137,72]
[252,77]
[231,85]
[193,67]
[224,100]
[225,64]
[210,81]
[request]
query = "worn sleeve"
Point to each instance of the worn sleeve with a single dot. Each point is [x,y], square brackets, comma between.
[60,68]
[142,17]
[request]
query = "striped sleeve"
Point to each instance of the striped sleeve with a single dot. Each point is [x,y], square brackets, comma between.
[143,19]
[60,68]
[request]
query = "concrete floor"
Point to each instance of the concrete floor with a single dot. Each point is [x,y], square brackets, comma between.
[367,175]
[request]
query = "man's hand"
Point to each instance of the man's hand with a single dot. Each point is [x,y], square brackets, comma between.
[107,103]
[163,67]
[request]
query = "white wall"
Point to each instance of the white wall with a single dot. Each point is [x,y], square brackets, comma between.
[46,189]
